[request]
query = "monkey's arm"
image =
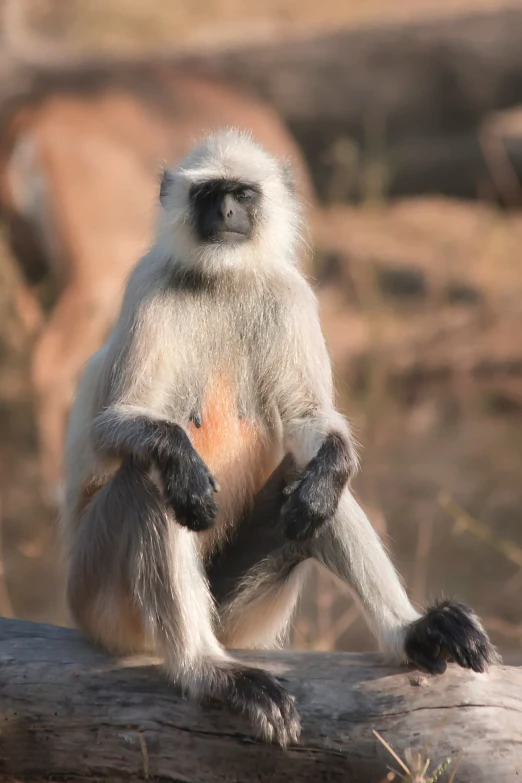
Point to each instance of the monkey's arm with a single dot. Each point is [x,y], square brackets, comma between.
[349,546]
[137,372]
[315,433]
[188,485]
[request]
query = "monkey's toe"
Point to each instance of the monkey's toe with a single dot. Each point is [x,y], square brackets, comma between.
[449,631]
[267,705]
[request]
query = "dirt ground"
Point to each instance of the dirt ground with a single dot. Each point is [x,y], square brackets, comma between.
[422,307]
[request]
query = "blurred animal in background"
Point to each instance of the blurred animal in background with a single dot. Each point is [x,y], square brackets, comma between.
[80,155]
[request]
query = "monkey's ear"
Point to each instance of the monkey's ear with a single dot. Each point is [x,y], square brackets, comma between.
[288,176]
[167,180]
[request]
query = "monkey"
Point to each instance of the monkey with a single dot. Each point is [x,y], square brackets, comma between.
[206,463]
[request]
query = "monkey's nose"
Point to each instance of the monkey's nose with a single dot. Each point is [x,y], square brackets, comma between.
[227,208]
[228,220]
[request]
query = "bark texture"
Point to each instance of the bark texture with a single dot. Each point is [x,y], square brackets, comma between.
[68,711]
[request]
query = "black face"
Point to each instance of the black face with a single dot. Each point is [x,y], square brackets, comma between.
[224,210]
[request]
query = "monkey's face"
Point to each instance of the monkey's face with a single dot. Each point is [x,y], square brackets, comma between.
[224,211]
[228,205]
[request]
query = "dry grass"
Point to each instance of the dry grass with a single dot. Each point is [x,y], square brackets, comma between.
[415,767]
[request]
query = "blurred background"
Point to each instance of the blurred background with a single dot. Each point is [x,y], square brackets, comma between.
[404,122]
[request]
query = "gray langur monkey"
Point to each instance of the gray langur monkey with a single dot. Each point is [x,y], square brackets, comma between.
[206,464]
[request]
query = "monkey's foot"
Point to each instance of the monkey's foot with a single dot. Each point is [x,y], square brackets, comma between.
[449,631]
[267,705]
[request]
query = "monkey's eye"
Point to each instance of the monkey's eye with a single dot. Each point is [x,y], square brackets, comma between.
[247,196]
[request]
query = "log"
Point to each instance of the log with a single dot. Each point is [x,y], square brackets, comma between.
[70,711]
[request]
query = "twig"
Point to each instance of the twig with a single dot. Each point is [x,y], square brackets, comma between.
[500,168]
[6,608]
[421,560]
[464,521]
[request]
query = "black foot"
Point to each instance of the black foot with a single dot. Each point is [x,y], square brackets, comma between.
[449,631]
[258,695]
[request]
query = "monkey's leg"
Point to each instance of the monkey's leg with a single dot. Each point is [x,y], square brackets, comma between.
[349,546]
[129,546]
[256,578]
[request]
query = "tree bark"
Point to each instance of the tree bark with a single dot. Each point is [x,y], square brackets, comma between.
[71,711]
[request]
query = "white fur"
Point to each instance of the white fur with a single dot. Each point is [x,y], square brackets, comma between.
[230,154]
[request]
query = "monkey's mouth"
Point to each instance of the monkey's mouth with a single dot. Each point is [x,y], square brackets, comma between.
[229,237]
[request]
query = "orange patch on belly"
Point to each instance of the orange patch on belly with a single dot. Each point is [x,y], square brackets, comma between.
[222,433]
[237,451]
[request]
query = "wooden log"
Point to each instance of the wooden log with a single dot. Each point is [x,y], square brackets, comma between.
[69,711]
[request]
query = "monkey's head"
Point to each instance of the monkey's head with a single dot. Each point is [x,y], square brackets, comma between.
[229,204]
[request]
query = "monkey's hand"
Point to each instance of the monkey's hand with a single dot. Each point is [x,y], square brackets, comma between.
[188,485]
[314,497]
[310,504]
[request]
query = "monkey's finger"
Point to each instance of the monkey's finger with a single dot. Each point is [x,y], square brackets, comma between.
[214,483]
[429,663]
[296,484]
[196,524]
[470,655]
[300,527]
[451,631]
[292,487]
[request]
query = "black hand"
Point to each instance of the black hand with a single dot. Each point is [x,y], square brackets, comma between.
[314,497]
[188,484]
[307,508]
